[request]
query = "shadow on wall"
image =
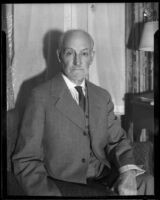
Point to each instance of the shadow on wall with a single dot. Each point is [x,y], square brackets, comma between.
[14,116]
[50,45]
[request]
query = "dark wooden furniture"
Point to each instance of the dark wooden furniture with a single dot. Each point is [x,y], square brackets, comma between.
[139,114]
[143,115]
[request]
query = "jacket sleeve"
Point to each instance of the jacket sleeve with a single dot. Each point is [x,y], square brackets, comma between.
[118,149]
[28,159]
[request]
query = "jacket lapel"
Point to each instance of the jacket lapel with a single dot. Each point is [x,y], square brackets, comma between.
[65,103]
[94,107]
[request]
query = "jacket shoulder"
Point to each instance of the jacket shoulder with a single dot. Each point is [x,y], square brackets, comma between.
[42,89]
[99,90]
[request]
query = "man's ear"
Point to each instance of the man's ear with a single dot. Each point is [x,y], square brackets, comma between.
[59,55]
[92,56]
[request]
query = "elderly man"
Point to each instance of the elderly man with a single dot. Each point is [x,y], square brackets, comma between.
[70,138]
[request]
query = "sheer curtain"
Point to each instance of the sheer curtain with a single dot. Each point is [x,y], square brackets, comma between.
[107,25]
[37,28]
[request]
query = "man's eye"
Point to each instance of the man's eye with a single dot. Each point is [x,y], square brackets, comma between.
[85,53]
[68,53]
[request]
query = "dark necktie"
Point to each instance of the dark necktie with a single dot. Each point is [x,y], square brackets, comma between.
[81,97]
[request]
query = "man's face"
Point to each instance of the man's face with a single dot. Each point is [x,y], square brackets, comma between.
[77,55]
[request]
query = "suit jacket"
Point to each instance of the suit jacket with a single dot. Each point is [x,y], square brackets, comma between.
[52,143]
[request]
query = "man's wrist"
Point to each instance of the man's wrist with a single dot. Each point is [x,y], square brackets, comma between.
[138,169]
[129,172]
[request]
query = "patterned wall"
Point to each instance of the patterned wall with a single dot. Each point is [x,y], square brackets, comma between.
[139,64]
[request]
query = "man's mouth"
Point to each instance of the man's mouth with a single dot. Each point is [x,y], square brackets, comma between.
[77,68]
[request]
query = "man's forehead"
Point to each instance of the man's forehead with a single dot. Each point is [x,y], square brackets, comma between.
[72,49]
[77,38]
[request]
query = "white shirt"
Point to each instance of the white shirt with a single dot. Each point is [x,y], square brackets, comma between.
[71,86]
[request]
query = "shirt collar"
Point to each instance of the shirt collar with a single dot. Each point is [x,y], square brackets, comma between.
[70,84]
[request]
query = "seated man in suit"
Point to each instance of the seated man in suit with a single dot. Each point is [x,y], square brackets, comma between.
[70,135]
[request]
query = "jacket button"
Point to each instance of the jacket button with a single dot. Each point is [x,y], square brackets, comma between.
[83,160]
[91,154]
[87,127]
[84,133]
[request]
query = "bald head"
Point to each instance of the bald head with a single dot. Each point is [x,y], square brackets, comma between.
[78,36]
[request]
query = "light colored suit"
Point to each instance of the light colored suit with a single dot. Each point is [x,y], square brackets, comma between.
[52,143]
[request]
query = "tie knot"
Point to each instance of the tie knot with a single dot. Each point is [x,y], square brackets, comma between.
[79,89]
[81,97]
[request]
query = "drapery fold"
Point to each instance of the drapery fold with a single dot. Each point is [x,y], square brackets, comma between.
[107,25]
[8,28]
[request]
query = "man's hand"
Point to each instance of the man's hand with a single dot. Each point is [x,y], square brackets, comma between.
[126,184]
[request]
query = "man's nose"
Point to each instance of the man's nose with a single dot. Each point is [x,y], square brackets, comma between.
[76,59]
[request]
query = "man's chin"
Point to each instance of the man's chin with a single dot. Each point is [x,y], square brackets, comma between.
[77,78]
[78,74]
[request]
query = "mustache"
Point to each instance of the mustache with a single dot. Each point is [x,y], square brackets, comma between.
[77,67]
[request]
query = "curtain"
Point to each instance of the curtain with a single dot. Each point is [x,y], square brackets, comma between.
[37,28]
[108,30]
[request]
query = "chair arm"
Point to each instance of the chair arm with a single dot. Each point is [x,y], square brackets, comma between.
[143,153]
